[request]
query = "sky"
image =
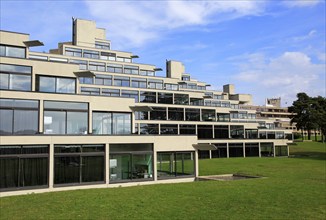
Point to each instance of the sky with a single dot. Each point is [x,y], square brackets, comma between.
[266,48]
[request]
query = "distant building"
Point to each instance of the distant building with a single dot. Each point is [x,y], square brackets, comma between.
[84,115]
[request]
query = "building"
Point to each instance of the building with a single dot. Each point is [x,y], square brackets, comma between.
[85,116]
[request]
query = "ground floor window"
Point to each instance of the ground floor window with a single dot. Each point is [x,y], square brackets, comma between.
[77,164]
[203,154]
[175,164]
[236,150]
[266,149]
[221,151]
[252,149]
[23,166]
[281,151]
[131,162]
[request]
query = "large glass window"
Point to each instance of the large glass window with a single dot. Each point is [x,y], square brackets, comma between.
[82,63]
[169,129]
[266,149]
[11,51]
[181,99]
[55,84]
[220,152]
[237,131]
[65,118]
[252,149]
[101,79]
[111,92]
[111,123]
[155,84]
[19,116]
[131,69]
[176,114]
[141,115]
[251,133]
[14,77]
[175,164]
[107,56]
[148,129]
[73,52]
[114,68]
[130,94]
[91,54]
[208,115]
[149,97]
[192,114]
[169,86]
[166,98]
[281,151]
[77,164]
[221,131]
[121,81]
[131,162]
[236,150]
[138,83]
[89,91]
[23,166]
[223,117]
[205,131]
[96,66]
[158,114]
[187,129]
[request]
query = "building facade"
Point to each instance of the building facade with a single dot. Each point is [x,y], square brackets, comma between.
[86,116]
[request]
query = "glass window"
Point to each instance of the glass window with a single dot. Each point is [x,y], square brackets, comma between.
[281,151]
[73,52]
[130,94]
[18,117]
[107,56]
[102,45]
[121,81]
[192,114]
[196,101]
[96,66]
[181,99]
[223,117]
[169,86]
[266,149]
[221,132]
[56,84]
[11,51]
[187,129]
[155,84]
[252,150]
[251,133]
[82,63]
[237,131]
[138,83]
[148,129]
[235,150]
[169,129]
[121,123]
[175,164]
[76,164]
[176,114]
[205,131]
[101,79]
[146,73]
[166,98]
[131,69]
[90,91]
[220,152]
[86,80]
[77,122]
[14,77]
[158,114]
[111,92]
[102,123]
[148,97]
[91,54]
[114,68]
[141,115]
[208,115]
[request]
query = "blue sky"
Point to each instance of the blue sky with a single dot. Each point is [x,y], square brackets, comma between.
[265,48]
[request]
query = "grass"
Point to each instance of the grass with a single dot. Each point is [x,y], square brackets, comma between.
[294,188]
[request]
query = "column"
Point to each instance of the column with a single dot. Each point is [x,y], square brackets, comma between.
[107,164]
[227,150]
[51,166]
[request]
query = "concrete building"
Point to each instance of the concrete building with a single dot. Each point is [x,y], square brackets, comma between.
[86,116]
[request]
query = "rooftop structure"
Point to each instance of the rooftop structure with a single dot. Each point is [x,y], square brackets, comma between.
[84,115]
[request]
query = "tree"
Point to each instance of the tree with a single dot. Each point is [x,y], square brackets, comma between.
[307,113]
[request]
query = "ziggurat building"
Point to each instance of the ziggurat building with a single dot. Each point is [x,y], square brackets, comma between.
[86,116]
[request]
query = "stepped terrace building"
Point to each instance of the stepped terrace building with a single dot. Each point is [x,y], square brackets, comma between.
[84,115]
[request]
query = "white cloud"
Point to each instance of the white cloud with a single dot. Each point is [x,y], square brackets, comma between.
[137,22]
[308,36]
[283,76]
[300,3]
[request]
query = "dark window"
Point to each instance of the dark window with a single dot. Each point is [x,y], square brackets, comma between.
[130,94]
[14,77]
[251,133]
[266,149]
[76,164]
[148,129]
[236,150]
[176,114]
[271,135]
[192,114]
[19,116]
[203,154]
[220,152]
[181,99]
[169,129]
[55,84]
[281,151]
[10,51]
[65,117]
[196,101]
[121,81]
[166,98]
[187,129]
[208,115]
[141,115]
[221,131]
[158,114]
[148,97]
[252,149]
[175,164]
[205,131]
[23,166]
[225,104]
[237,131]
[111,123]
[223,117]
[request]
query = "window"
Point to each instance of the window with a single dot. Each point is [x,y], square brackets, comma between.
[166,98]
[65,117]
[208,115]
[138,83]
[11,51]
[141,115]
[102,45]
[158,114]
[205,131]
[169,129]
[146,73]
[262,135]
[114,68]
[175,164]
[266,149]
[234,106]
[176,114]
[225,104]
[155,84]
[169,86]
[130,94]
[203,154]
[55,84]
[196,101]
[235,150]
[220,152]
[18,116]
[131,162]
[191,86]
[223,117]
[91,54]
[187,129]
[181,99]
[279,135]
[192,114]
[82,63]
[252,149]
[101,79]
[185,78]
[218,97]
[14,77]
[124,59]
[148,129]
[270,135]
[237,131]
[57,59]
[131,69]
[111,92]
[89,91]
[76,164]
[24,166]
[73,52]
[251,133]
[201,87]
[281,151]
[221,132]
[111,123]
[107,56]
[96,66]
[121,81]
[148,97]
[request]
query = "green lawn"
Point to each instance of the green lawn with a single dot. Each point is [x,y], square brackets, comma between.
[295,188]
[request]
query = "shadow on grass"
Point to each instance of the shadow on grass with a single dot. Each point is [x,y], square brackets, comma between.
[309,155]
